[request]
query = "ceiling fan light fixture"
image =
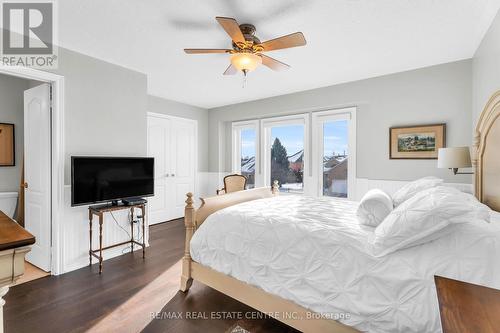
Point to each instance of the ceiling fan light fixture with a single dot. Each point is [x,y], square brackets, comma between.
[246,62]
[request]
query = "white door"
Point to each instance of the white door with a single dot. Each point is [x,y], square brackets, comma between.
[159,148]
[37,173]
[171,141]
[182,171]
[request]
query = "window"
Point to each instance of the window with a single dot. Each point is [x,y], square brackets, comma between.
[335,158]
[316,158]
[245,150]
[334,155]
[247,156]
[287,157]
[284,152]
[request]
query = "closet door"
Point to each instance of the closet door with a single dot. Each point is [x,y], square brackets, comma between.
[172,142]
[159,147]
[183,159]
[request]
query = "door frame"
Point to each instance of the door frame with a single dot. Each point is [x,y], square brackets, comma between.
[195,123]
[57,159]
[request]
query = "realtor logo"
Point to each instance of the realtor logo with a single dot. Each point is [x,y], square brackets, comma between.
[28,34]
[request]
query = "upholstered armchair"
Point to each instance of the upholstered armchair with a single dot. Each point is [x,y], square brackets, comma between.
[233,183]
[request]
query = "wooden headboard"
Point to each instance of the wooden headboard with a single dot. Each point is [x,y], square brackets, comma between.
[486,154]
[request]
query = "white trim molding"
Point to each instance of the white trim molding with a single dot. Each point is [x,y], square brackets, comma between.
[236,129]
[313,143]
[318,120]
[57,173]
[266,128]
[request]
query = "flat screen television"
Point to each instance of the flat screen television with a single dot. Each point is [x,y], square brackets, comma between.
[109,179]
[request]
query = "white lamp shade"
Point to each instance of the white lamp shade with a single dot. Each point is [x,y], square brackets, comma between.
[245,61]
[456,157]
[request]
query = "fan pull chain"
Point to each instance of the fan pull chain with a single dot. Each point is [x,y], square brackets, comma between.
[244,78]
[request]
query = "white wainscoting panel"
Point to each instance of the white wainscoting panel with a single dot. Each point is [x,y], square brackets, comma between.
[76,226]
[208,183]
[76,234]
[363,185]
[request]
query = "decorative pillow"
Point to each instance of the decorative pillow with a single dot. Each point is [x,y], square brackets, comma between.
[410,189]
[494,217]
[428,215]
[374,207]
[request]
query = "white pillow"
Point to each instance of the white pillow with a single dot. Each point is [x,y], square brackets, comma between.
[428,215]
[410,189]
[494,216]
[374,207]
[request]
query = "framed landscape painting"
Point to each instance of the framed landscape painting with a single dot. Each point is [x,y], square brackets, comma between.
[7,148]
[416,142]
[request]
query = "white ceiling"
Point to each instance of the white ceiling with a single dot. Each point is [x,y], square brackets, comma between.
[347,40]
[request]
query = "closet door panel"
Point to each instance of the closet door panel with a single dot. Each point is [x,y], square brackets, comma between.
[159,137]
[183,163]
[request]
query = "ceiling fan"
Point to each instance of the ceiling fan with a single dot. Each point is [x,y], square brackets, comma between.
[247,52]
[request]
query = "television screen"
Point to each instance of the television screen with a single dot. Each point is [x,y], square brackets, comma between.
[101,179]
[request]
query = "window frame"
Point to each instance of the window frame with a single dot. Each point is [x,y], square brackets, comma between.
[313,146]
[318,120]
[267,125]
[236,129]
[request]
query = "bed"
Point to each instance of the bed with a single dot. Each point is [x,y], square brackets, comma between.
[305,261]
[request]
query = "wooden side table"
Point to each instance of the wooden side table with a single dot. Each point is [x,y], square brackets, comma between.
[100,211]
[467,307]
[15,243]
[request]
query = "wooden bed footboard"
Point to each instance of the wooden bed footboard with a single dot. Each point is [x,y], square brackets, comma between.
[193,218]
[279,308]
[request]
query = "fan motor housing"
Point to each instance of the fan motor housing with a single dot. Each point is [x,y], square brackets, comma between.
[248,31]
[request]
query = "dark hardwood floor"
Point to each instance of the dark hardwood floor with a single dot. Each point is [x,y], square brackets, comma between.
[206,307]
[73,302]
[76,301]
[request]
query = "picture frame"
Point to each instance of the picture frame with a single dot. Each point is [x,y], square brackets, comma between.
[7,145]
[420,142]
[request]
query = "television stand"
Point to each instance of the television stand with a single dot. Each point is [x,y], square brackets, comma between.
[99,211]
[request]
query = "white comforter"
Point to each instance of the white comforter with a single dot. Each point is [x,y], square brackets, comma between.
[313,251]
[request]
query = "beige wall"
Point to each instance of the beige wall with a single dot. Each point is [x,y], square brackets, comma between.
[105,108]
[486,69]
[12,111]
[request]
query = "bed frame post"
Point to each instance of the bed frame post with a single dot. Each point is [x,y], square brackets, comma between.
[189,223]
[275,188]
[475,166]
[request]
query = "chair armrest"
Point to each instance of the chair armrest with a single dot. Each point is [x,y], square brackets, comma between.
[221,191]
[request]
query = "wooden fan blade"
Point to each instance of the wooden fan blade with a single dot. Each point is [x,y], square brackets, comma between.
[199,51]
[272,63]
[232,28]
[231,70]
[285,42]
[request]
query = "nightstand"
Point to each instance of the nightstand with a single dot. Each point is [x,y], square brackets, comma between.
[466,307]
